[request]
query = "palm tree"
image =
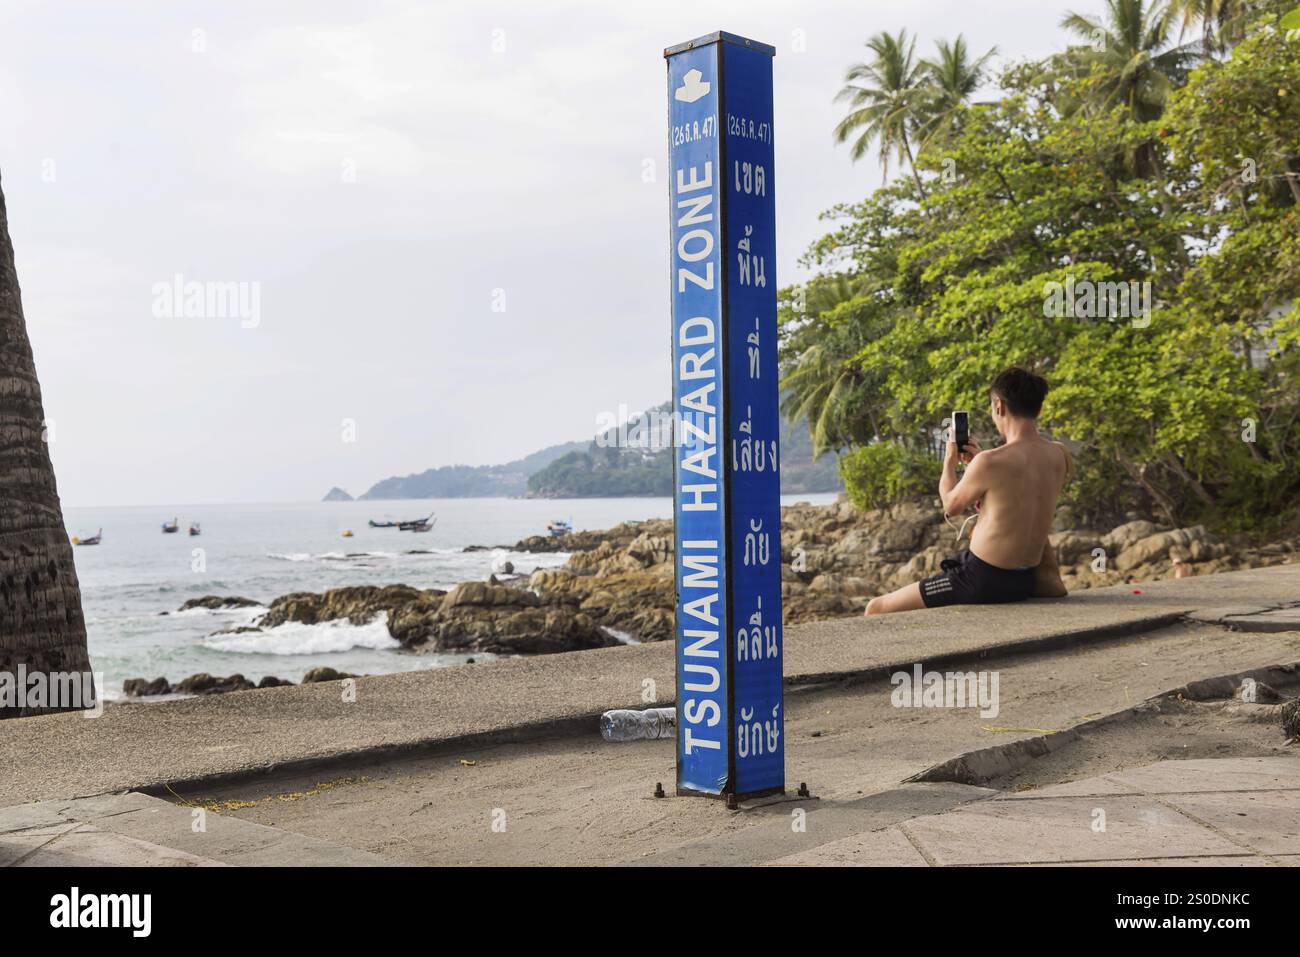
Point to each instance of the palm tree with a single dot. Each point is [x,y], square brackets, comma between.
[1223,22]
[822,390]
[824,384]
[887,96]
[41,624]
[951,80]
[1131,54]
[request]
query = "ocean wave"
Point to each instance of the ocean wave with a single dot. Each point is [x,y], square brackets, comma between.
[343,556]
[295,638]
[623,637]
[247,611]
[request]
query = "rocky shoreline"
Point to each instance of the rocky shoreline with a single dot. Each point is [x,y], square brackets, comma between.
[617,586]
[205,684]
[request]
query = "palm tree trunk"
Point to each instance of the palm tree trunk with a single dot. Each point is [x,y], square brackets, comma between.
[911,163]
[41,624]
[1292,180]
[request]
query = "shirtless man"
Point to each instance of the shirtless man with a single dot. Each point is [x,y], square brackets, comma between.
[1017,484]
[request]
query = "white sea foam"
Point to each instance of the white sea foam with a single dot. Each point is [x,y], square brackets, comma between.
[247,611]
[334,556]
[295,638]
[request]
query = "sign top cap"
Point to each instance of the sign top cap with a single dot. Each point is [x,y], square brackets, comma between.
[720,36]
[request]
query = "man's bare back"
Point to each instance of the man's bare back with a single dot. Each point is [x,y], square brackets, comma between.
[1023,480]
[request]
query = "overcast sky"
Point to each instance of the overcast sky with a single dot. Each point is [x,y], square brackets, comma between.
[383,174]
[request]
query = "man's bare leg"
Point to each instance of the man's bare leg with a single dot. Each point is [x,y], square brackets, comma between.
[907,598]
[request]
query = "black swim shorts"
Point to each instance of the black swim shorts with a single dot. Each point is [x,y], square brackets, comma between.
[966,580]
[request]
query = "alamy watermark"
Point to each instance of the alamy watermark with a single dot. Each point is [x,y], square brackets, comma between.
[51,690]
[180,298]
[1086,299]
[651,430]
[953,689]
[133,912]
[655,430]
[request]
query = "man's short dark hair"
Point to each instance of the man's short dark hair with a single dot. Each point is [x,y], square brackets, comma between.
[1023,391]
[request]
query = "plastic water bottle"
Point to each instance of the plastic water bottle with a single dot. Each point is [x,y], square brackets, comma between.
[638,725]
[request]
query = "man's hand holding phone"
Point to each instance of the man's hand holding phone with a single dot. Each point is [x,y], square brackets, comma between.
[961,447]
[958,449]
[953,455]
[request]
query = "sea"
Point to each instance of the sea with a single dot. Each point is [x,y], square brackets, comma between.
[134,582]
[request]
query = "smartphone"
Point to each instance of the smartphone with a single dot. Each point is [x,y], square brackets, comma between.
[961,430]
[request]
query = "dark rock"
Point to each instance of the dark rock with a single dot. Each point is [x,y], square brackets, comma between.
[1291,718]
[205,684]
[359,605]
[474,616]
[580,541]
[219,601]
[240,630]
[271,681]
[143,688]
[325,674]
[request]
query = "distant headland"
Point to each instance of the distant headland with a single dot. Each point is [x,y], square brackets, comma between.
[620,461]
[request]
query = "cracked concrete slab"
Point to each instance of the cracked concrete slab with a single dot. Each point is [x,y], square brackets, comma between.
[1279,619]
[137,830]
[1229,812]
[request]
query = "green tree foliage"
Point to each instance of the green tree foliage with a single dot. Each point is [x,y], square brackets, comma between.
[1222,22]
[885,472]
[1290,22]
[601,472]
[926,289]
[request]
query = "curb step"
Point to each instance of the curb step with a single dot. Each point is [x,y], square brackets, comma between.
[589,724]
[978,767]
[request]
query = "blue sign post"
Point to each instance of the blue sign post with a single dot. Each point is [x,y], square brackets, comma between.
[726,508]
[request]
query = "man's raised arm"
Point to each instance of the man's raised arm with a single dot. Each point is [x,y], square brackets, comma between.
[960,494]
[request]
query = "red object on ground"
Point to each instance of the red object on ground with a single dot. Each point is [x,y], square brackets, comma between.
[1137,591]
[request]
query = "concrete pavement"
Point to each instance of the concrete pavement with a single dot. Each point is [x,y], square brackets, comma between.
[1228,812]
[134,830]
[75,769]
[205,740]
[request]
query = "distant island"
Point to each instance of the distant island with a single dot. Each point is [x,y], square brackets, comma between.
[627,460]
[470,481]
